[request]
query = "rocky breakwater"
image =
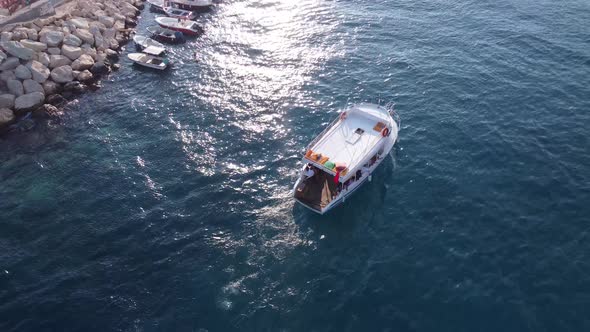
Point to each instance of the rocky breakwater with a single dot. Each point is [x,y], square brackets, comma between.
[45,60]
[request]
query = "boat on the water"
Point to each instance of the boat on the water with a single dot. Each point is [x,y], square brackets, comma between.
[187,27]
[166,35]
[156,6]
[179,13]
[148,45]
[343,157]
[192,5]
[148,60]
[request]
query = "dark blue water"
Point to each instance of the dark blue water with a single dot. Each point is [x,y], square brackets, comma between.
[161,202]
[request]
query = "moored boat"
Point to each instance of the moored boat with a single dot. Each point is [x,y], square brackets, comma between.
[179,13]
[187,27]
[156,6]
[193,5]
[165,35]
[343,157]
[148,45]
[148,60]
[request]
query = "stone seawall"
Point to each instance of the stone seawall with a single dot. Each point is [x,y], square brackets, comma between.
[47,59]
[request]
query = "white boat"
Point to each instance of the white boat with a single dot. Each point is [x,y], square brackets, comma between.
[187,27]
[147,60]
[148,45]
[192,5]
[179,13]
[343,157]
[156,5]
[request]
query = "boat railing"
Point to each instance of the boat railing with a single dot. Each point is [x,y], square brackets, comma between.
[390,107]
[319,137]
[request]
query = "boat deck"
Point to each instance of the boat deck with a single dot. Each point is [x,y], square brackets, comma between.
[350,140]
[318,191]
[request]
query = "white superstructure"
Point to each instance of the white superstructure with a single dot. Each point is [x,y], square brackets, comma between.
[344,155]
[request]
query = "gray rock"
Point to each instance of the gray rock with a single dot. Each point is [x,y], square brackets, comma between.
[18,50]
[39,72]
[58,61]
[46,111]
[7,75]
[15,87]
[56,99]
[71,52]
[52,38]
[72,40]
[3,56]
[84,76]
[29,102]
[22,72]
[85,36]
[99,68]
[85,61]
[7,100]
[62,74]
[43,58]
[6,117]
[54,51]
[50,87]
[32,34]
[107,21]
[34,45]
[6,36]
[79,23]
[10,63]
[32,86]
[74,87]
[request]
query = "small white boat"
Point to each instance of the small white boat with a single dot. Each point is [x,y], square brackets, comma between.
[156,6]
[147,60]
[344,155]
[192,5]
[148,45]
[187,27]
[179,13]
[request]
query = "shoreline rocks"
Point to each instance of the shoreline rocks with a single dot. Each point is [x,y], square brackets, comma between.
[61,53]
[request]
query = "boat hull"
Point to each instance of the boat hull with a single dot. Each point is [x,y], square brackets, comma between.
[200,8]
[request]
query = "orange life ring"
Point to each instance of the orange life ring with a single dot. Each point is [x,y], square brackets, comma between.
[343,115]
[385,132]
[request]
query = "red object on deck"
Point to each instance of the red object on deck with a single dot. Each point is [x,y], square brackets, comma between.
[11,5]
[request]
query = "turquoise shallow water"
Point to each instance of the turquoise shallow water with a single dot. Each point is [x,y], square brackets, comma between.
[161,202]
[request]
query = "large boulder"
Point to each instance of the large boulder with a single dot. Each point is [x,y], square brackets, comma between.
[18,50]
[7,100]
[7,75]
[85,61]
[79,23]
[72,40]
[89,50]
[52,38]
[71,52]
[50,87]
[10,63]
[43,58]
[32,34]
[54,51]
[22,72]
[29,102]
[84,76]
[5,36]
[99,68]
[6,117]
[32,86]
[3,56]
[58,61]
[46,111]
[85,36]
[39,72]
[62,74]
[34,45]
[15,87]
